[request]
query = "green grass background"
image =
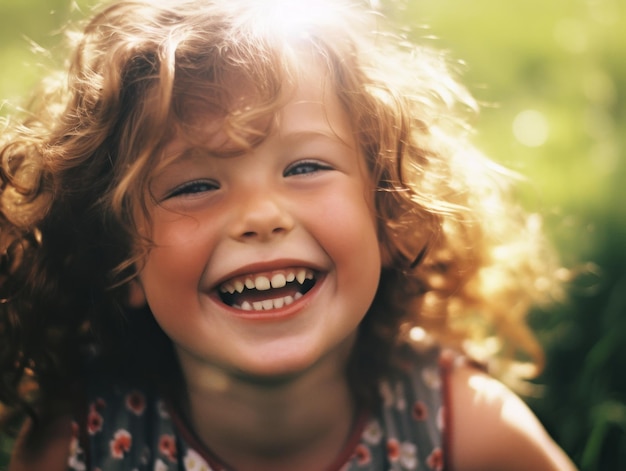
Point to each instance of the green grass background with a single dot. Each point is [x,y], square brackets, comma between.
[565,62]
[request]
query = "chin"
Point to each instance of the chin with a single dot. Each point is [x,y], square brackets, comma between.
[289,364]
[275,371]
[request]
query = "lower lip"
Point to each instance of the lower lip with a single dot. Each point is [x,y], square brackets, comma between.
[284,312]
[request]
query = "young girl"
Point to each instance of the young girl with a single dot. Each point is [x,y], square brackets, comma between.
[250,235]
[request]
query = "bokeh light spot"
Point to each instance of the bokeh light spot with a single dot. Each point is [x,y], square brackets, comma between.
[530,128]
[418,334]
[570,34]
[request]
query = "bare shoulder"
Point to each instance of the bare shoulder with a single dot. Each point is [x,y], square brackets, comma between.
[47,449]
[493,429]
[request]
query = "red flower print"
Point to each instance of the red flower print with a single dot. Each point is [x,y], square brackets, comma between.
[420,411]
[120,444]
[362,455]
[136,402]
[98,405]
[94,422]
[435,460]
[167,447]
[393,450]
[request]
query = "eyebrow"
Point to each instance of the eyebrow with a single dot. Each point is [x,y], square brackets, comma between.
[195,151]
[327,135]
[288,137]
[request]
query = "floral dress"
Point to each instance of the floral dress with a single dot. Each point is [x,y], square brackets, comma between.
[129,429]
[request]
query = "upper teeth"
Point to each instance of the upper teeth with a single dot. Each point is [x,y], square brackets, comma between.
[263,283]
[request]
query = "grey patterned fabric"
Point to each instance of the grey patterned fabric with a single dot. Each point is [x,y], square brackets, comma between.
[130,429]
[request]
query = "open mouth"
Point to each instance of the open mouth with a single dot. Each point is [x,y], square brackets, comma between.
[266,292]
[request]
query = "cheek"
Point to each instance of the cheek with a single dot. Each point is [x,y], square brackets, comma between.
[349,230]
[181,248]
[350,217]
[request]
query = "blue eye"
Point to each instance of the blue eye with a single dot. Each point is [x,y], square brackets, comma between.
[192,188]
[304,168]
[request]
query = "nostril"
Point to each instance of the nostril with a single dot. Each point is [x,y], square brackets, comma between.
[277,231]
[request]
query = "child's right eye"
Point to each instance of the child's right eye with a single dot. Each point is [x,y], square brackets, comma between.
[191,188]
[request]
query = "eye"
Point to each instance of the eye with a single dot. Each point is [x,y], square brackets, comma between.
[305,167]
[192,188]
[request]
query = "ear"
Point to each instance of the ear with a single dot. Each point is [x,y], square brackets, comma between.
[136,295]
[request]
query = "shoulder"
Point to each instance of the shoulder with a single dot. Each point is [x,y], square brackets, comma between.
[493,429]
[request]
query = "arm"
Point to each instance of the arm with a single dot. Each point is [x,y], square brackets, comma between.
[47,449]
[493,430]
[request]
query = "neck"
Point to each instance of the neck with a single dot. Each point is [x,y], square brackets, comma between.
[300,421]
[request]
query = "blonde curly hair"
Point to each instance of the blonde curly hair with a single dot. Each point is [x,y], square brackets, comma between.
[464,263]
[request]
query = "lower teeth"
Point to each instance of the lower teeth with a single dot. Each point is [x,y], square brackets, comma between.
[268,304]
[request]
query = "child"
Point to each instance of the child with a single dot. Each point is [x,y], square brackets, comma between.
[238,238]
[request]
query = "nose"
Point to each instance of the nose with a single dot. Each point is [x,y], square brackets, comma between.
[260,216]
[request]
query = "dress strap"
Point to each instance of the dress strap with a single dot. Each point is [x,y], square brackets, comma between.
[447,360]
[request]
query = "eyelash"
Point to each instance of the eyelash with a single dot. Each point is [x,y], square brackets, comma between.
[191,188]
[312,166]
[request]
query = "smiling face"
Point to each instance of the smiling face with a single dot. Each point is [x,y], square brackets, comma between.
[265,262]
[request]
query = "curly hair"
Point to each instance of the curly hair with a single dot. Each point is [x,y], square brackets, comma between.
[463,262]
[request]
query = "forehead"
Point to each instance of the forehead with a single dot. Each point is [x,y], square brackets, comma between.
[308,105]
[314,106]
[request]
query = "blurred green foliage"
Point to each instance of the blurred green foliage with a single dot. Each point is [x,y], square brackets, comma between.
[551,77]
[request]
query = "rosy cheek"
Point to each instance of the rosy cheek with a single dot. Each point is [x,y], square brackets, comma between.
[178,247]
[347,214]
[170,228]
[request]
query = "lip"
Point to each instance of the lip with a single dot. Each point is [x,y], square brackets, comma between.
[285,312]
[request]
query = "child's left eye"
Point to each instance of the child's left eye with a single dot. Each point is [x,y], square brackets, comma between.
[305,167]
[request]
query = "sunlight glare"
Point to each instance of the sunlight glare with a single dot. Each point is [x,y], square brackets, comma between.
[294,18]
